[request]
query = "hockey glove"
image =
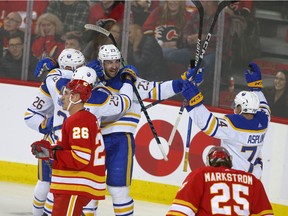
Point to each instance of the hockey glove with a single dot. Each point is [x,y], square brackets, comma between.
[192,95]
[46,126]
[43,65]
[196,77]
[130,71]
[42,149]
[96,65]
[253,77]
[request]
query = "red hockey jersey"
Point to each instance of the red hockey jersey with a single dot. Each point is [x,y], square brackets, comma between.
[79,168]
[221,191]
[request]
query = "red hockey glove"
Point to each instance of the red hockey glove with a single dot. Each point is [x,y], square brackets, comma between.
[42,149]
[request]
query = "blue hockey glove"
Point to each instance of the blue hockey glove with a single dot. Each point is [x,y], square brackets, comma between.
[46,126]
[253,77]
[196,77]
[130,71]
[192,95]
[187,75]
[96,65]
[43,65]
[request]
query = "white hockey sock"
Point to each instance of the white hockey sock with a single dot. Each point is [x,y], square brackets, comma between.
[91,208]
[40,193]
[123,204]
[49,204]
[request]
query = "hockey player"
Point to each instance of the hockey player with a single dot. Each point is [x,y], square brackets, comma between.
[40,117]
[118,130]
[46,104]
[78,173]
[217,189]
[242,133]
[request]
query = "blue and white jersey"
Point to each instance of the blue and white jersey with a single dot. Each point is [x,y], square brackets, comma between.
[48,101]
[48,98]
[147,89]
[243,138]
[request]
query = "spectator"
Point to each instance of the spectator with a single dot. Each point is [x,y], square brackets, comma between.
[74,14]
[212,190]
[39,8]
[97,39]
[140,11]
[166,23]
[73,41]
[277,96]
[106,9]
[140,49]
[48,42]
[10,26]
[116,31]
[11,63]
[243,8]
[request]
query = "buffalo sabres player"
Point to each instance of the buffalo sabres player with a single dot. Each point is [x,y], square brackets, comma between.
[39,116]
[241,133]
[118,130]
[47,105]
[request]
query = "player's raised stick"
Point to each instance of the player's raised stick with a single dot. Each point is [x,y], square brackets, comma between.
[108,34]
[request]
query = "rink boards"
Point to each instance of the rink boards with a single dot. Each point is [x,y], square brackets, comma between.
[154,179]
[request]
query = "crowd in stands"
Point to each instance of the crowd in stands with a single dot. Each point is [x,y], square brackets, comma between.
[162,35]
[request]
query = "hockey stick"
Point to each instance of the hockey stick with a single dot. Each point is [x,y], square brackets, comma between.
[200,55]
[198,47]
[108,34]
[200,9]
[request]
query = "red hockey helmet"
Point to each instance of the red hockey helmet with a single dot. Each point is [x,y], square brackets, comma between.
[219,156]
[81,87]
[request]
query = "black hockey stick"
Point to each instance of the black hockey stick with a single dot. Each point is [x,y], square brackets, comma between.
[197,62]
[200,55]
[108,34]
[198,47]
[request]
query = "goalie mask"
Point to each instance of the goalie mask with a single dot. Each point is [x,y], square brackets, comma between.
[219,156]
[71,59]
[87,74]
[248,101]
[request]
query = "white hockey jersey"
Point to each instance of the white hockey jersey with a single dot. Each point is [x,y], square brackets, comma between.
[147,89]
[48,102]
[243,138]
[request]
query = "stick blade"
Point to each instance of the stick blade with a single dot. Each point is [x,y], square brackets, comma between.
[97,28]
